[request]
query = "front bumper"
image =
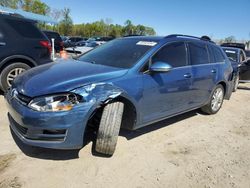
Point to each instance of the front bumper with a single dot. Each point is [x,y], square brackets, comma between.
[56,130]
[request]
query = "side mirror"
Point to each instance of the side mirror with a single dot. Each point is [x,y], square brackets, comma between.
[160,66]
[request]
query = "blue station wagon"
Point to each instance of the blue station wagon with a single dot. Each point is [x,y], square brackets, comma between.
[126,83]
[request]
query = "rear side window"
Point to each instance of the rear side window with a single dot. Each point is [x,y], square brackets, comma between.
[198,53]
[218,56]
[24,28]
[173,54]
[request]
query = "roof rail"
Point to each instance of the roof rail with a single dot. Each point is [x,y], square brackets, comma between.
[205,38]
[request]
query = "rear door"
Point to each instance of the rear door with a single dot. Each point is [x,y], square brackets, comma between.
[167,93]
[203,72]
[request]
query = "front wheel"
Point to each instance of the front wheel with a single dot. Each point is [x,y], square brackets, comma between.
[10,72]
[109,128]
[216,101]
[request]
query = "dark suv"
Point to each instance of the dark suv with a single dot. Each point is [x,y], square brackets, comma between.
[22,46]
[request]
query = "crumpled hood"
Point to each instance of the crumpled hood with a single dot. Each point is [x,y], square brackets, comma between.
[63,76]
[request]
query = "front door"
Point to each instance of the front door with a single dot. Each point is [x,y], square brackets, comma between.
[167,93]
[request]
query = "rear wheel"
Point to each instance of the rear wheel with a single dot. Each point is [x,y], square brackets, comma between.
[10,72]
[215,102]
[109,128]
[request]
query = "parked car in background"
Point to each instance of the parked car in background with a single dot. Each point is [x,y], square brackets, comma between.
[22,46]
[234,56]
[100,40]
[78,50]
[247,53]
[81,43]
[64,38]
[234,45]
[126,83]
[58,43]
[71,41]
[238,59]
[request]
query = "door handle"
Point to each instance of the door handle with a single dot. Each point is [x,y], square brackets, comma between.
[187,75]
[2,43]
[213,71]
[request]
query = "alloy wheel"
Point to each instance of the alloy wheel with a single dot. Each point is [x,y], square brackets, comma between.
[217,99]
[13,74]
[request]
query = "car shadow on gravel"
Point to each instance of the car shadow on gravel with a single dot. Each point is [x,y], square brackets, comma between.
[153,127]
[52,154]
[243,88]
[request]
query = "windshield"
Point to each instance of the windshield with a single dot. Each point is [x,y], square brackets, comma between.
[231,54]
[121,53]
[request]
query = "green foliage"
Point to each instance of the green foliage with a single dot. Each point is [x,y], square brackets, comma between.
[10,3]
[66,26]
[229,39]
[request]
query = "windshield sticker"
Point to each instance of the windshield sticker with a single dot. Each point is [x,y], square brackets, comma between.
[146,43]
[230,51]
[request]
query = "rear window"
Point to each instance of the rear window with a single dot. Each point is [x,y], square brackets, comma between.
[25,28]
[231,54]
[198,53]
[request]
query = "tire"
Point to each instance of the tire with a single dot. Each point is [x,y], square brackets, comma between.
[236,83]
[109,128]
[216,98]
[11,72]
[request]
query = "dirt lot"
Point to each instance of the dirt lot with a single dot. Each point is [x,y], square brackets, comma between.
[191,150]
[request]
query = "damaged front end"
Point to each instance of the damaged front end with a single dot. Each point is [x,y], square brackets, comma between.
[98,93]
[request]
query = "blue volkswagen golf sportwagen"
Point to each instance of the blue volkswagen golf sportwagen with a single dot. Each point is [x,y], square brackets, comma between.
[126,83]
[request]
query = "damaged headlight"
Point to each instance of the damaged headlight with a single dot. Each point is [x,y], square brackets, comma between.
[54,103]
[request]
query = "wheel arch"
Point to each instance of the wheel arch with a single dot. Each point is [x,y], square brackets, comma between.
[130,115]
[228,88]
[17,58]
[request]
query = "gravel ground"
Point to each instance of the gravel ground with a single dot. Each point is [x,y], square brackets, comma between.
[190,150]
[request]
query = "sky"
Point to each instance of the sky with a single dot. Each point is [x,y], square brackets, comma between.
[215,18]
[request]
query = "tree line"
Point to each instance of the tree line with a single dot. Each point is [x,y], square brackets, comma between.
[65,26]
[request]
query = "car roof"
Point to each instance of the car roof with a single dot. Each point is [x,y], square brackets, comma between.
[153,38]
[178,37]
[16,17]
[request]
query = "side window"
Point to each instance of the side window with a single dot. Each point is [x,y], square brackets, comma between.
[24,28]
[211,54]
[219,57]
[198,53]
[173,54]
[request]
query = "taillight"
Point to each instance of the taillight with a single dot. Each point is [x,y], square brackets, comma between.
[46,44]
